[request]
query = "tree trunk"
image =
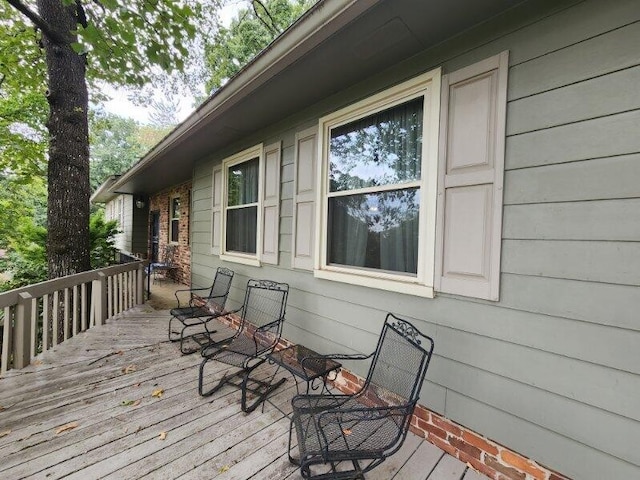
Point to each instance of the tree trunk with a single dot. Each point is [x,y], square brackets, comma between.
[68,170]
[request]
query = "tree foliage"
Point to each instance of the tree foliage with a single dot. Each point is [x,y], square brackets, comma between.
[85,42]
[252,29]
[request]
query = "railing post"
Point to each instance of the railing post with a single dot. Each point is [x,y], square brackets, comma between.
[22,331]
[140,285]
[99,298]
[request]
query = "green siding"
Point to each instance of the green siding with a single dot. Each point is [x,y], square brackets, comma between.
[553,369]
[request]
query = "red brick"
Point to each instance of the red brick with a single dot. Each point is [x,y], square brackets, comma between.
[347,375]
[418,431]
[522,464]
[479,442]
[441,444]
[422,413]
[461,445]
[478,465]
[508,472]
[427,427]
[446,425]
[557,476]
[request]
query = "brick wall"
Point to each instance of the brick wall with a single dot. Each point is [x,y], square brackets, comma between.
[161,202]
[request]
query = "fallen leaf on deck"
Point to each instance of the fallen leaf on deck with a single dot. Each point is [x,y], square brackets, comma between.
[129,369]
[1,408]
[37,362]
[5,433]
[224,469]
[158,393]
[119,352]
[68,426]
[137,385]
[130,403]
[346,431]
[136,403]
[162,435]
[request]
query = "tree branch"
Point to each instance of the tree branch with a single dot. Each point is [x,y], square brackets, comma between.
[273,27]
[38,21]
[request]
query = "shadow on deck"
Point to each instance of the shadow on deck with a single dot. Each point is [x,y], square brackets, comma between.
[92,408]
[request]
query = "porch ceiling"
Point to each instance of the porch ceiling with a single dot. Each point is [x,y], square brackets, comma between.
[334,46]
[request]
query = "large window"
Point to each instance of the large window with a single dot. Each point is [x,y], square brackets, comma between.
[241,201]
[378,189]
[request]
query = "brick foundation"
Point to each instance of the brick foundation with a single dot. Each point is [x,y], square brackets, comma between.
[161,202]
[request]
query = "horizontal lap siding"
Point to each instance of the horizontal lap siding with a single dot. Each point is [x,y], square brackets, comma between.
[552,370]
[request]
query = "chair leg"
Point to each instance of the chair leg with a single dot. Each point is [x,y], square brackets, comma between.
[263,390]
[293,461]
[172,338]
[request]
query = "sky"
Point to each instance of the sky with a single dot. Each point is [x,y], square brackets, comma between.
[120,104]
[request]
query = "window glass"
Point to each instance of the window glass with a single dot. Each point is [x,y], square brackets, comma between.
[242,186]
[242,209]
[175,219]
[378,230]
[380,149]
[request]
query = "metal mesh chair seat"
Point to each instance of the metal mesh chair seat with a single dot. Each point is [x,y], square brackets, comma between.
[363,429]
[343,428]
[260,329]
[200,311]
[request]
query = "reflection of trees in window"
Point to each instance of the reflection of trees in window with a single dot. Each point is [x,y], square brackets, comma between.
[381,149]
[378,230]
[242,209]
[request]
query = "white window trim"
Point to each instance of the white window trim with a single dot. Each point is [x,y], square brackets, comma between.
[241,157]
[427,85]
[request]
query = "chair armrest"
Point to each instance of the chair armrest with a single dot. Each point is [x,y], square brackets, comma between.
[264,329]
[190,290]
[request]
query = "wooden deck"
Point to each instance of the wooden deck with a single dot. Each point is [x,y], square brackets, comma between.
[87,410]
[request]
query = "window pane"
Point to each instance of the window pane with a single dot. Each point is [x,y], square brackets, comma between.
[243,183]
[175,208]
[175,230]
[375,231]
[242,229]
[381,149]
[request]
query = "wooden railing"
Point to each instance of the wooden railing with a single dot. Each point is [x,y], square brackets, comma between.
[38,317]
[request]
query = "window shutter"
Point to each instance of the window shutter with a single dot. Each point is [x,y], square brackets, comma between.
[216,215]
[271,204]
[304,199]
[471,175]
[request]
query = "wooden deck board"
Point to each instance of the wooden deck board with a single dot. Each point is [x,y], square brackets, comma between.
[83,381]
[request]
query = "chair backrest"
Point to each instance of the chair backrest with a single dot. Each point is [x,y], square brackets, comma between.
[399,364]
[263,313]
[168,254]
[220,289]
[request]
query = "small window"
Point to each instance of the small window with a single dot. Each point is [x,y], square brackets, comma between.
[241,205]
[174,224]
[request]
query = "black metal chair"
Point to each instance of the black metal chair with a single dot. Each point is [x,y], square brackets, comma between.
[345,436]
[260,329]
[166,266]
[200,311]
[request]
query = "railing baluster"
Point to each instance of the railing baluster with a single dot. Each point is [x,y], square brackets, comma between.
[7,344]
[110,296]
[46,312]
[34,328]
[75,302]
[65,321]
[83,307]
[56,310]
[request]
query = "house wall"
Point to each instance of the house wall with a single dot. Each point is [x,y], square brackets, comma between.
[133,224]
[552,370]
[161,201]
